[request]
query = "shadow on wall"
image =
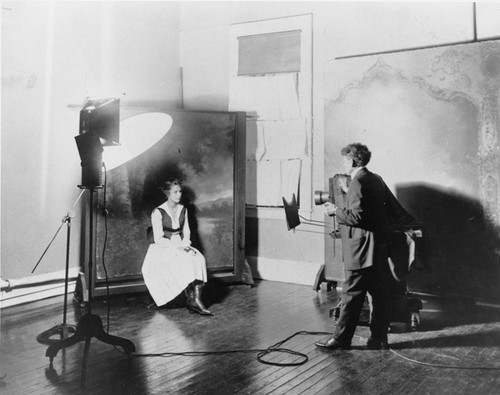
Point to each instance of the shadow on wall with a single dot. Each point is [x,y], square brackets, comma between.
[464,244]
[189,197]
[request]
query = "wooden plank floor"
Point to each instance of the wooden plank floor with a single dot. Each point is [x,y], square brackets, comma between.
[456,334]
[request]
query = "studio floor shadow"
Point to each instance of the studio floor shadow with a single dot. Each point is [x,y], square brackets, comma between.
[455,351]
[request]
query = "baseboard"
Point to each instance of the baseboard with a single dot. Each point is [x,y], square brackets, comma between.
[286,271]
[37,288]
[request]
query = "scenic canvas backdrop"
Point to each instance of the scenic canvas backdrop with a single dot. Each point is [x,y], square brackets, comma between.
[199,149]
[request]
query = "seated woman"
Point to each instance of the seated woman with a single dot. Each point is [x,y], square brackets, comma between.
[171,265]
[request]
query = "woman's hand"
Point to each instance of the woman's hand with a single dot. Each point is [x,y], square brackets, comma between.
[188,249]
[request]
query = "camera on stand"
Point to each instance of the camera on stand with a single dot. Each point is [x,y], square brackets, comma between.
[321,197]
[335,192]
[336,195]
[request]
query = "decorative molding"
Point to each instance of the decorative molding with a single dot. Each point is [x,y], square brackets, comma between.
[489,190]
[453,74]
[451,62]
[488,133]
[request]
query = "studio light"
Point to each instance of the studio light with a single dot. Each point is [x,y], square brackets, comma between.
[90,150]
[99,126]
[101,117]
[137,135]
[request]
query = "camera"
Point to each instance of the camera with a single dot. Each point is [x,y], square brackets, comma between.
[321,197]
[335,193]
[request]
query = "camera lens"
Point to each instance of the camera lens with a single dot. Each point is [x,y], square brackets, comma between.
[321,197]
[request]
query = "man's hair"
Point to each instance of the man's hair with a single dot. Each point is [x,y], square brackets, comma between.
[359,153]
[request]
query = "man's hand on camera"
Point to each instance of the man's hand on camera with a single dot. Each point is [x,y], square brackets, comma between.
[330,208]
[343,184]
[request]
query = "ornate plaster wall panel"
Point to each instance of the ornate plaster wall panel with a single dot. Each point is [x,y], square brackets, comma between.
[430,118]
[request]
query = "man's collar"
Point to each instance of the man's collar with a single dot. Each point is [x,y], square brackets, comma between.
[356,171]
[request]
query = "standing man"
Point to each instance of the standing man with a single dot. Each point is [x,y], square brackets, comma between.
[365,251]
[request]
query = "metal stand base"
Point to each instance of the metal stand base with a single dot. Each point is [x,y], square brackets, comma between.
[90,325]
[63,330]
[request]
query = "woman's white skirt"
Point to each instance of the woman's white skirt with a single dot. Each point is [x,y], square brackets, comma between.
[168,270]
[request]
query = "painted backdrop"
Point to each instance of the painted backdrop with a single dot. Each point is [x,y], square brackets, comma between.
[430,118]
[200,149]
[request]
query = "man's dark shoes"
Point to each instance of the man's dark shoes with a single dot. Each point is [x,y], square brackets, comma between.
[332,344]
[376,344]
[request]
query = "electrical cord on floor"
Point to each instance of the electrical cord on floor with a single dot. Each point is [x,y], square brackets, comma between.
[276,348]
[434,365]
[445,366]
[261,353]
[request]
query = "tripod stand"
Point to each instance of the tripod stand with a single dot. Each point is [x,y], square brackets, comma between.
[62,329]
[89,325]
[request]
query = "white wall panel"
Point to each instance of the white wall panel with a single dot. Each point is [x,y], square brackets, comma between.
[488,20]
[360,28]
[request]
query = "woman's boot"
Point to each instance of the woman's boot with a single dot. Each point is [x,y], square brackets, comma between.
[189,291]
[198,306]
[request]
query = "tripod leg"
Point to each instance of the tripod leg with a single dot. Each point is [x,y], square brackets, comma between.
[63,343]
[125,344]
[85,358]
[91,325]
